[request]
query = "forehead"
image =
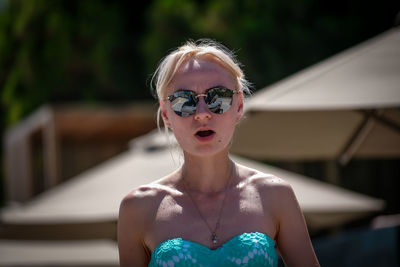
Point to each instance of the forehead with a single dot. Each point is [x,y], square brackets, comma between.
[198,74]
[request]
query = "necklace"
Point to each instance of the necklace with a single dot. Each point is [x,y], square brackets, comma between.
[214,237]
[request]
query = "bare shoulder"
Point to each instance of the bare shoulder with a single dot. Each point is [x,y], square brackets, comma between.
[263,181]
[138,198]
[268,185]
[136,214]
[278,194]
[144,199]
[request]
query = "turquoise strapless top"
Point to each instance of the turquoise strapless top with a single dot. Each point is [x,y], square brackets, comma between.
[247,249]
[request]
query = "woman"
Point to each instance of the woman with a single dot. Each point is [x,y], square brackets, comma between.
[211,211]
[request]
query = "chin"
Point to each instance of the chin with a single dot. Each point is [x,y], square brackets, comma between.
[208,150]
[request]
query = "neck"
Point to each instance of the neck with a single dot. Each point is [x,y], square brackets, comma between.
[207,174]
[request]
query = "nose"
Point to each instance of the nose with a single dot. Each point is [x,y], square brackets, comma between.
[202,111]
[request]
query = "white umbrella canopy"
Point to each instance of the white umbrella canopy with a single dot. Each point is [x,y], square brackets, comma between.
[347,105]
[95,195]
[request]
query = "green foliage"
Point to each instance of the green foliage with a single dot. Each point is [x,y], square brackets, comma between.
[272,38]
[53,51]
[64,51]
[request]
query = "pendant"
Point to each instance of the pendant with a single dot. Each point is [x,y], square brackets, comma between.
[214,238]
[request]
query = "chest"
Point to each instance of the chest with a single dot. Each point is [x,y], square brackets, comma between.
[197,217]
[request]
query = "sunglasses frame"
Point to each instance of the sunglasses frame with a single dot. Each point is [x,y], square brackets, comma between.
[196,98]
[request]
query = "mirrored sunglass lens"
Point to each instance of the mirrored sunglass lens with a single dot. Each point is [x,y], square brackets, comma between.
[184,103]
[219,100]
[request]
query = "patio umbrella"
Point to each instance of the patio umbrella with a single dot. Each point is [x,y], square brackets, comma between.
[92,199]
[346,106]
[67,225]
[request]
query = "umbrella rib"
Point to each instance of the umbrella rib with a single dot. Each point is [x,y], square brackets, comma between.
[357,138]
[382,119]
[362,131]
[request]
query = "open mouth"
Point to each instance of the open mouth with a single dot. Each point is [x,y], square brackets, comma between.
[205,133]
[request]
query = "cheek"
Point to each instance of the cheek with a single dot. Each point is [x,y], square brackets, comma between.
[227,127]
[179,127]
[172,118]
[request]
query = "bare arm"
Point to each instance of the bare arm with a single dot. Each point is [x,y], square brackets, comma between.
[293,239]
[132,250]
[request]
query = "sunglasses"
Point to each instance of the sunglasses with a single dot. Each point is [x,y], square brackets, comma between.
[218,100]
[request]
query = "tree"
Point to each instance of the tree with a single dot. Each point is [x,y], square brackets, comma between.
[61,51]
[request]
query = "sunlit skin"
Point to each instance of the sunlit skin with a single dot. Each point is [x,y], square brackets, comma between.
[199,76]
[256,202]
[204,158]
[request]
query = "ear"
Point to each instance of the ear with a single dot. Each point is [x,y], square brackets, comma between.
[164,114]
[240,106]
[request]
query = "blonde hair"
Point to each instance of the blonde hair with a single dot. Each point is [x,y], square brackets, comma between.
[170,64]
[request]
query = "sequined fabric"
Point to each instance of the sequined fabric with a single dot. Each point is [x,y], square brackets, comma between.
[247,249]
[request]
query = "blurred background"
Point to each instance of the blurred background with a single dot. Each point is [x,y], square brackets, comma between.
[75,90]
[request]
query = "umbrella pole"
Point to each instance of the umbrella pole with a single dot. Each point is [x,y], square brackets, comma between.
[331,172]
